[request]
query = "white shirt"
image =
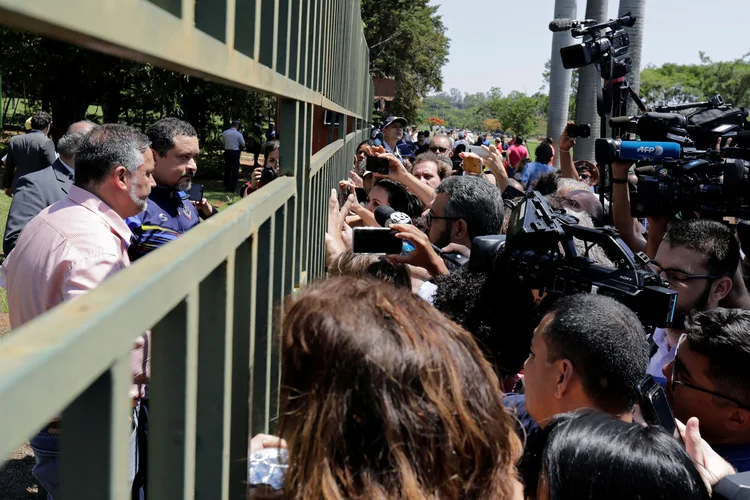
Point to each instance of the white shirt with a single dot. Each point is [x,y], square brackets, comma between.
[664,355]
[233,139]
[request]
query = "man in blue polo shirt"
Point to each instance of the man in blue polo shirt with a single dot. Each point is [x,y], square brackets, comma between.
[708,379]
[169,212]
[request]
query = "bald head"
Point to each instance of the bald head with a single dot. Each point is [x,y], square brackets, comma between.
[72,140]
[588,202]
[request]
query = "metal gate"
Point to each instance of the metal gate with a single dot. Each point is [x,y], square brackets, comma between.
[212,297]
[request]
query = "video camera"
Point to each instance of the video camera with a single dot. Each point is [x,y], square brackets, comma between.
[540,248]
[680,173]
[604,44]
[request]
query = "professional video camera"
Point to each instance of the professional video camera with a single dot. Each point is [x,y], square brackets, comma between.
[540,248]
[604,44]
[681,174]
[701,128]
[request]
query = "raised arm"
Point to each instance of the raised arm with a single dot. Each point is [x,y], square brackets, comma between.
[624,222]
[567,167]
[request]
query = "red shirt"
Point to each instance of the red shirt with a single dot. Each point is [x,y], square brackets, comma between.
[516,153]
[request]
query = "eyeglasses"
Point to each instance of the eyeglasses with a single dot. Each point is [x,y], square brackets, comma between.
[584,177]
[430,217]
[678,277]
[437,149]
[695,387]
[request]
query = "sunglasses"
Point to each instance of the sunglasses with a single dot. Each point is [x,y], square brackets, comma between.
[437,149]
[695,387]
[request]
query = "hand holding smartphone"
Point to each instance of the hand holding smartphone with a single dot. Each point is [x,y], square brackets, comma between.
[377,165]
[472,166]
[195,193]
[376,240]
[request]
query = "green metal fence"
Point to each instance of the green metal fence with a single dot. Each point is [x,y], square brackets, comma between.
[212,297]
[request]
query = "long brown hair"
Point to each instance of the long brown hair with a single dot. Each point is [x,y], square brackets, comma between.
[383,397]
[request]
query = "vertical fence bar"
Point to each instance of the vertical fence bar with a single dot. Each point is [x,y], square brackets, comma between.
[290,122]
[306,183]
[214,384]
[240,384]
[280,248]
[293,42]
[263,306]
[244,38]
[100,415]
[174,360]
[312,53]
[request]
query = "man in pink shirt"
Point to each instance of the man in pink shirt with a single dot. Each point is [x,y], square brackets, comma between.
[78,242]
[516,153]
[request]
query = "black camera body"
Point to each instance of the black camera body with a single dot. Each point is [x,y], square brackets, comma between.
[705,185]
[540,249]
[604,44]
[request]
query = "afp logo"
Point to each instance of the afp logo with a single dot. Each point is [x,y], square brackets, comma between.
[655,150]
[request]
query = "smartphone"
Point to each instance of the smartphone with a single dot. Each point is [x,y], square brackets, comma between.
[195,193]
[477,150]
[376,240]
[583,131]
[654,406]
[378,165]
[473,166]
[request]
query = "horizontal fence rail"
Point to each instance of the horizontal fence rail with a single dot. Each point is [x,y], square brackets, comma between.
[212,298]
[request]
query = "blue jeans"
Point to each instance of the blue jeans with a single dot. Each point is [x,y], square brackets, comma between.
[46,448]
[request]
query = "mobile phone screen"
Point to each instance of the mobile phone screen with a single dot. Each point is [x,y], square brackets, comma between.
[376,240]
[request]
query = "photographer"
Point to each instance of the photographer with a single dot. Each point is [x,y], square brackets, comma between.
[589,351]
[268,172]
[698,258]
[708,379]
[587,172]
[399,173]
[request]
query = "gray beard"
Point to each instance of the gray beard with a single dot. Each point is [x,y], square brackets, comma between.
[140,203]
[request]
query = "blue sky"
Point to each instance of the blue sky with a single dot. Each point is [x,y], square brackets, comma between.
[505,44]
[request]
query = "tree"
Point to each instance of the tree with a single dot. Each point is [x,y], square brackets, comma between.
[589,82]
[517,112]
[677,84]
[407,42]
[559,95]
[638,9]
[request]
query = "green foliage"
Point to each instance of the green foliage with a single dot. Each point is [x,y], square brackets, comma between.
[407,42]
[518,113]
[67,80]
[676,83]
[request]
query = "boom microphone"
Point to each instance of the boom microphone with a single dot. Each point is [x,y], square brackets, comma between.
[560,25]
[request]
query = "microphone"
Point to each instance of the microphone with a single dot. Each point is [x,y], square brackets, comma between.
[387,216]
[649,150]
[560,25]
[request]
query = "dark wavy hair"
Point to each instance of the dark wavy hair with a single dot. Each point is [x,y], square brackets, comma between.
[400,199]
[593,455]
[383,397]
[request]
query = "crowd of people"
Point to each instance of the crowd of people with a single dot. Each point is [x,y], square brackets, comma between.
[411,375]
